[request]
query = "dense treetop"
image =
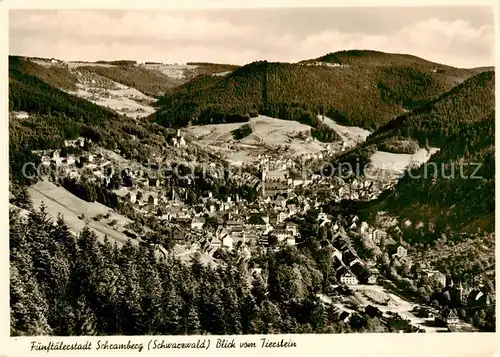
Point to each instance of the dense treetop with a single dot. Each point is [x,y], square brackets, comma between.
[364,93]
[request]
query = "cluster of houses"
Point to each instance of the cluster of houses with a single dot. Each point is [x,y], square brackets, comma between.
[282,182]
[327,64]
[350,269]
[178,141]
[240,233]
[458,296]
[261,224]
[74,163]
[268,162]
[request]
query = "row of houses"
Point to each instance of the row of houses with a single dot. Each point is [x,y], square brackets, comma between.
[281,181]
[209,241]
[350,269]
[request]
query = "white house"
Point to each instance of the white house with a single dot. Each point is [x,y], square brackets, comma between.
[70,160]
[216,242]
[337,253]
[45,161]
[298,181]
[349,279]
[257,271]
[21,115]
[364,227]
[282,216]
[401,251]
[282,234]
[322,216]
[378,235]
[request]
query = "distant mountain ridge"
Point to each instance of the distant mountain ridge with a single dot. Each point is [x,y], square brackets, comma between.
[366,92]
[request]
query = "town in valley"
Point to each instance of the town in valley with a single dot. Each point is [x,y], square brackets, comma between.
[206,198]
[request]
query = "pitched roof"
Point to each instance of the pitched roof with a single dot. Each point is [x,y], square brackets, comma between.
[450,314]
[198,220]
[280,231]
[256,220]
[232,222]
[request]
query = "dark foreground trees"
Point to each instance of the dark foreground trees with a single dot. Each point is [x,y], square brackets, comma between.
[66,285]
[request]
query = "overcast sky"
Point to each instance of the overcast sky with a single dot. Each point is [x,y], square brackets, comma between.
[457,36]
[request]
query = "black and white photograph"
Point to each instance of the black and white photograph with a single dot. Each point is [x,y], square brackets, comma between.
[251,171]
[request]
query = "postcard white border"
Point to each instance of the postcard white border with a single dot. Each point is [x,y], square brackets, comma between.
[346,345]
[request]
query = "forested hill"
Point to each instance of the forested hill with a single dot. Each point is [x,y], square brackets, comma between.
[361,92]
[55,116]
[454,110]
[384,59]
[455,190]
[434,123]
[461,123]
[61,285]
[145,80]
[37,93]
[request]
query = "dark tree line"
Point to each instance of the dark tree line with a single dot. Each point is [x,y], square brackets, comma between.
[66,285]
[91,192]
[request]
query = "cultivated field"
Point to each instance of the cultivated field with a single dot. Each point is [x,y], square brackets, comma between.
[58,200]
[176,71]
[399,162]
[122,99]
[267,133]
[351,135]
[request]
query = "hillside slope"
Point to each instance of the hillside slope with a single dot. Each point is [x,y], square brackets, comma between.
[434,123]
[466,103]
[361,93]
[206,68]
[55,116]
[38,92]
[455,190]
[147,81]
